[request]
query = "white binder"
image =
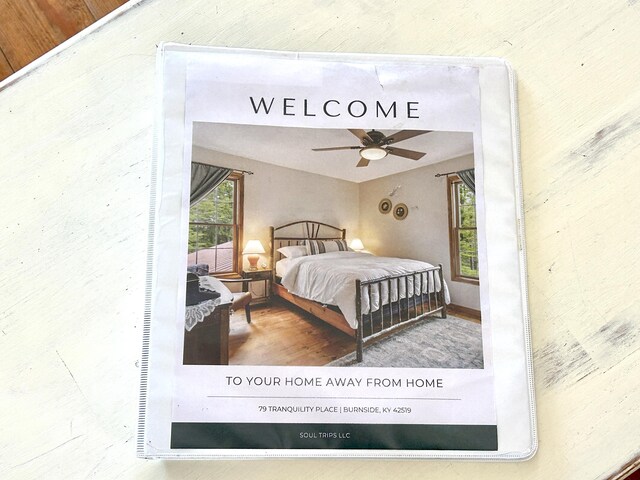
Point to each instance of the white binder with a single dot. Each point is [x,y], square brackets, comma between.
[259,112]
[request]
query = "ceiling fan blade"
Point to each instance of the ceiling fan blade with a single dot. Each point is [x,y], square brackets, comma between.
[401,152]
[363,162]
[403,135]
[334,148]
[362,135]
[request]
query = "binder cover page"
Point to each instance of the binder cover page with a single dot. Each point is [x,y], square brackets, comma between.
[336,263]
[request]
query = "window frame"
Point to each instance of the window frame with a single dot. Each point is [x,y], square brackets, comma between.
[454,229]
[237,225]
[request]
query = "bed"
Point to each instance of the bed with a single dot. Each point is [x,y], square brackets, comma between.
[364,296]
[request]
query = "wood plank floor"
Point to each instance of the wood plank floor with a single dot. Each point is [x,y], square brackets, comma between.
[282,334]
[30,28]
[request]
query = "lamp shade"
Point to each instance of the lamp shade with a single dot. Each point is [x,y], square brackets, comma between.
[356,244]
[253,247]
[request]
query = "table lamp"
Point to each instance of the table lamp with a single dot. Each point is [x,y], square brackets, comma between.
[253,249]
[356,244]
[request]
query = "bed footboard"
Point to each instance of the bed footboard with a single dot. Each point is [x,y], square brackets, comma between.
[388,303]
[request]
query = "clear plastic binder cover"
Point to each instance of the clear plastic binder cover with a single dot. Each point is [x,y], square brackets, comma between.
[412,341]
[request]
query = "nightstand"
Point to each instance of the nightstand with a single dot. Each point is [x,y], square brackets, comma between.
[260,275]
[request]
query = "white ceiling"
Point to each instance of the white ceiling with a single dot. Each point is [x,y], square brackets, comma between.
[291,147]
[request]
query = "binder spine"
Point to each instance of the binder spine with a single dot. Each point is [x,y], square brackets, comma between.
[515,125]
[148,291]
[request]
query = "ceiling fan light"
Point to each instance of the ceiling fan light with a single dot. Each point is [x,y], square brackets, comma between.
[373,153]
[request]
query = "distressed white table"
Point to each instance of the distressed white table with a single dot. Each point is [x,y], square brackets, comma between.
[75,148]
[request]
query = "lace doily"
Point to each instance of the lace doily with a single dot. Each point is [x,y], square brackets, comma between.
[196,313]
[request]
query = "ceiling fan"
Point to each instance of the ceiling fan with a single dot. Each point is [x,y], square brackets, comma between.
[375,145]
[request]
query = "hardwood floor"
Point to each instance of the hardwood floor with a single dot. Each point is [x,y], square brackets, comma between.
[465,313]
[282,334]
[30,28]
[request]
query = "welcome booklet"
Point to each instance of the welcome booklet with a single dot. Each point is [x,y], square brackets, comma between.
[336,259]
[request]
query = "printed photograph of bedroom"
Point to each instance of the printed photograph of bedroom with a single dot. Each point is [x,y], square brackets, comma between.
[336,247]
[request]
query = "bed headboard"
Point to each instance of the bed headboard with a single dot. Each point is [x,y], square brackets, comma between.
[296,233]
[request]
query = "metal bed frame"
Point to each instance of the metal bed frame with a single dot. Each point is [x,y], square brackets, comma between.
[372,325]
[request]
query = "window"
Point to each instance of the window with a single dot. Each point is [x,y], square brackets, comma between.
[215,227]
[463,235]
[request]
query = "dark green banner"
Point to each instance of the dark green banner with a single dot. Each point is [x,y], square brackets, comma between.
[333,436]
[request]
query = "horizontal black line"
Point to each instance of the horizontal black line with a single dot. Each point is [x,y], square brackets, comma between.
[335,398]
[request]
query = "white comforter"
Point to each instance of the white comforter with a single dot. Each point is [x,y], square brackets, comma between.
[329,278]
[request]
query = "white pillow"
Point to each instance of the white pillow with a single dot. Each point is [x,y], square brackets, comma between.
[293,251]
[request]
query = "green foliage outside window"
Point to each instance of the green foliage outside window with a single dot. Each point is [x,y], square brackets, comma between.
[467,233]
[211,223]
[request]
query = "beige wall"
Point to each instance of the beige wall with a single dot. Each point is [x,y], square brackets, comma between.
[424,234]
[277,195]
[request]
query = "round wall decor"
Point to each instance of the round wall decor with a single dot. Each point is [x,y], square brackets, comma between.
[385,205]
[400,211]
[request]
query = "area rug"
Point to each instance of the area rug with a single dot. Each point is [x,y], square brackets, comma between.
[432,343]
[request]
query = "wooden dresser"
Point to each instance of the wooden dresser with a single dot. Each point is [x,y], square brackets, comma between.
[207,343]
